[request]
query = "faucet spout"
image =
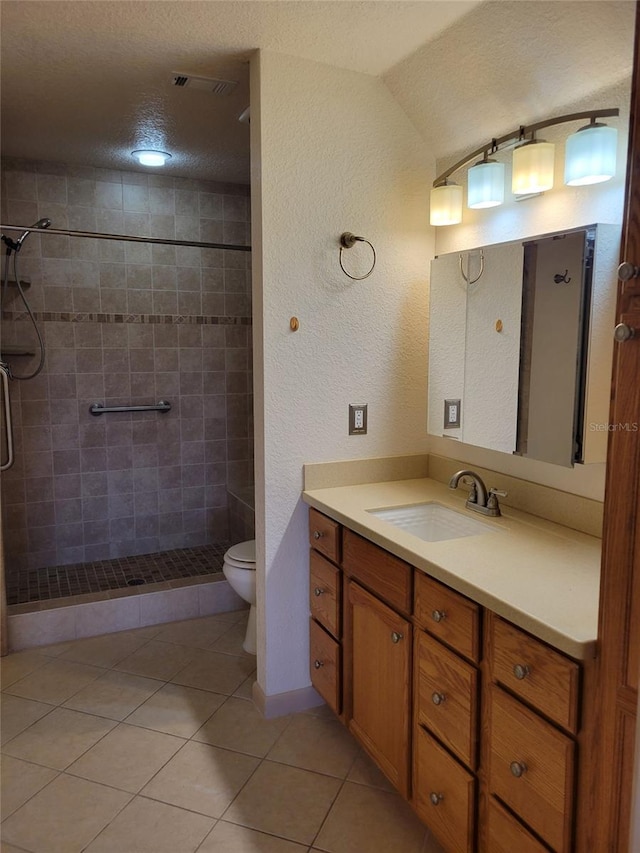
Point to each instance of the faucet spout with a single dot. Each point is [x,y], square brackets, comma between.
[478,489]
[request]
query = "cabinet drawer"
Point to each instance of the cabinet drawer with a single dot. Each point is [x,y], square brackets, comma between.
[531,769]
[381,572]
[448,615]
[324,535]
[443,794]
[325,666]
[325,593]
[541,676]
[446,697]
[506,835]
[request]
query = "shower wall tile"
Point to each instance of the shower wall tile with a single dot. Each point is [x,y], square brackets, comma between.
[87,488]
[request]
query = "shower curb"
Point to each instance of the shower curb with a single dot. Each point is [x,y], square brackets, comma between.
[60,620]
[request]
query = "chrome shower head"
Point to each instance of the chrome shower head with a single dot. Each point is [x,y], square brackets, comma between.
[43,223]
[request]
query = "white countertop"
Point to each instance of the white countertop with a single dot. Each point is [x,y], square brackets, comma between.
[537,574]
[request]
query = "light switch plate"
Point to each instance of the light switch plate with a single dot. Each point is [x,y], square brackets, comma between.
[451,414]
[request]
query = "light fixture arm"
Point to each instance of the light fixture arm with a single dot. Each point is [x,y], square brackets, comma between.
[519,134]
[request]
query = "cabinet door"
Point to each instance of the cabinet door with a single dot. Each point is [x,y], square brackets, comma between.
[380,649]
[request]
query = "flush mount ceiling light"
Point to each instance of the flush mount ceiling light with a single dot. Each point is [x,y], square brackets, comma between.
[151,158]
[590,155]
[446,204]
[590,158]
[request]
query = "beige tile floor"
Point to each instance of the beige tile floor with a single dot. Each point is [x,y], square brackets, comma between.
[147,741]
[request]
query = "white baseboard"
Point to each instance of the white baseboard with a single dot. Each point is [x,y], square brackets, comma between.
[291,702]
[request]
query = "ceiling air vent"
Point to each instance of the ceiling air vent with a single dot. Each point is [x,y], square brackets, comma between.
[204,84]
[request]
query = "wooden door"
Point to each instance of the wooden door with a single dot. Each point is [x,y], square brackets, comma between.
[619,628]
[380,648]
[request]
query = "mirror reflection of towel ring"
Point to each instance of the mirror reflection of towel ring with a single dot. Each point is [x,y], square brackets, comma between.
[347,240]
[467,277]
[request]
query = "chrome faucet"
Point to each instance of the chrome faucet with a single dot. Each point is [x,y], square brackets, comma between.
[480,498]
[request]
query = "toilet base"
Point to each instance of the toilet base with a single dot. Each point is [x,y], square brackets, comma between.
[249,644]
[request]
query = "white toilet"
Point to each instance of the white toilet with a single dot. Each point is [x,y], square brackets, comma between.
[240,570]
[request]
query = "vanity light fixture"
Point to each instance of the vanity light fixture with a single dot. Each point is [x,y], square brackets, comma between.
[148,157]
[446,204]
[533,166]
[590,155]
[590,158]
[485,184]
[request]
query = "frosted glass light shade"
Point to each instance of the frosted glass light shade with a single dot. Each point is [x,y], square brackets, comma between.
[485,186]
[446,205]
[590,155]
[533,168]
[151,158]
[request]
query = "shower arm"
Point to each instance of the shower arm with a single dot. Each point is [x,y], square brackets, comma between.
[164,241]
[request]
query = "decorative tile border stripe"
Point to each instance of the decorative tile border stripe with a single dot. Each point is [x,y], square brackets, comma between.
[161,319]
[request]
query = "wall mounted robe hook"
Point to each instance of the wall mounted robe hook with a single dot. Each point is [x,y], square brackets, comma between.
[566,278]
[347,241]
[467,277]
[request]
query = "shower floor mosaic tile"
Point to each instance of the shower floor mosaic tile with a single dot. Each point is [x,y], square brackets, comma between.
[103,575]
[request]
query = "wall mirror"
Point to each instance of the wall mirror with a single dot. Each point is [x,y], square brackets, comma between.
[521,345]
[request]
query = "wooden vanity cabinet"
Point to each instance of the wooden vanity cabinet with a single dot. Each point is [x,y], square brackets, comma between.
[379,644]
[477,723]
[446,713]
[325,606]
[531,720]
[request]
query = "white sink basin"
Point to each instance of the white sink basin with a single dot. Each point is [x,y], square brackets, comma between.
[433,522]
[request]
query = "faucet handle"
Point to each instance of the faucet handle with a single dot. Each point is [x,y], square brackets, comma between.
[498,493]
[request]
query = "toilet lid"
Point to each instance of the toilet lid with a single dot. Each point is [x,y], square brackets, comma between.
[243,552]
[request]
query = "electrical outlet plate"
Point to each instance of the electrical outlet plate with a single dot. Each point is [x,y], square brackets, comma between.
[358,419]
[451,414]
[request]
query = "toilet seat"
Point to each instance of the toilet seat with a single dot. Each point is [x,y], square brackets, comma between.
[242,555]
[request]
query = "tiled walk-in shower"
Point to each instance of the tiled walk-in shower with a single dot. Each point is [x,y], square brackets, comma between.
[125,324]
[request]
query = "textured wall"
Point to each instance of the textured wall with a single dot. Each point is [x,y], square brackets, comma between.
[126,323]
[335,153]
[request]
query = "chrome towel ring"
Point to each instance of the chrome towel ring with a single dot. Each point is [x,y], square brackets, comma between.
[347,240]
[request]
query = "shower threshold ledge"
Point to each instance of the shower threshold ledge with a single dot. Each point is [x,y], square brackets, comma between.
[56,620]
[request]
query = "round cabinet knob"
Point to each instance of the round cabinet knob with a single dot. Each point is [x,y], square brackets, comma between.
[623,333]
[627,271]
[318,663]
[395,637]
[318,591]
[518,768]
[436,799]
[318,534]
[438,698]
[438,615]
[521,671]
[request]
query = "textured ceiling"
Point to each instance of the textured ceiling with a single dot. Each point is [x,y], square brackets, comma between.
[88,82]
[509,63]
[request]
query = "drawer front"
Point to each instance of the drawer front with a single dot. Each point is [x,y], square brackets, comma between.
[448,615]
[443,794]
[385,575]
[325,666]
[325,593]
[541,676]
[324,535]
[447,697]
[531,769]
[506,835]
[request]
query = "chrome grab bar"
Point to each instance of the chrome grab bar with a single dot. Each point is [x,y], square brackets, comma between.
[99,409]
[4,378]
